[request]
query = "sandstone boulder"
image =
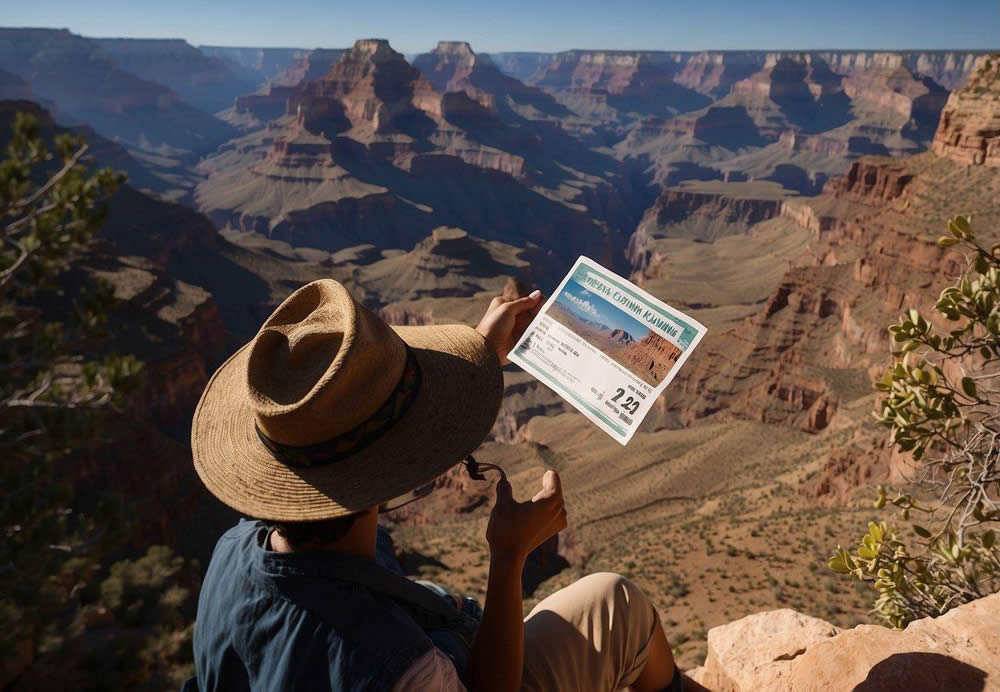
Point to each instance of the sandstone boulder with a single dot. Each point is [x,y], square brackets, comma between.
[786,650]
[958,651]
[760,649]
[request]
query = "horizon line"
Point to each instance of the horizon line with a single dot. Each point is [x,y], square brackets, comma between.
[910,49]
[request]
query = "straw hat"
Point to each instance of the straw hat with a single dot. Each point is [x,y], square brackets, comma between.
[329,411]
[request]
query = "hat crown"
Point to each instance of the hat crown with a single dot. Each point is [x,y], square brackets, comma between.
[321,365]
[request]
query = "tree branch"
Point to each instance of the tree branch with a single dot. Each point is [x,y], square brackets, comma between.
[41,192]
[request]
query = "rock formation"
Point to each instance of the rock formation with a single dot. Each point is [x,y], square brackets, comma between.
[308,66]
[370,88]
[870,254]
[206,82]
[950,69]
[627,81]
[652,356]
[454,67]
[450,64]
[13,88]
[87,86]
[267,63]
[253,111]
[786,650]
[872,180]
[686,213]
[715,74]
[970,124]
[356,148]
[621,336]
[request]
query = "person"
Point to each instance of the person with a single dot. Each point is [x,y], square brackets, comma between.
[312,427]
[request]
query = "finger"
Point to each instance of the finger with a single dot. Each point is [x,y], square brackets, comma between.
[524,319]
[496,302]
[520,305]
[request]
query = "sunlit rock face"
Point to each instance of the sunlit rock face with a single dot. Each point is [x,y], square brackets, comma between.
[969,132]
[786,650]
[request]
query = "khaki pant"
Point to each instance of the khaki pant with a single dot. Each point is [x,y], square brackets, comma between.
[592,635]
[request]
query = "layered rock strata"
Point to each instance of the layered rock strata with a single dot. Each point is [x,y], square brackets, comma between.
[969,132]
[206,82]
[86,85]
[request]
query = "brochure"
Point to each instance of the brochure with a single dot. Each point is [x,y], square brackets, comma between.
[606,346]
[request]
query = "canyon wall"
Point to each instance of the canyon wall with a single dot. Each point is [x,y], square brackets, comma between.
[970,123]
[872,253]
[206,82]
[714,72]
[267,63]
[88,86]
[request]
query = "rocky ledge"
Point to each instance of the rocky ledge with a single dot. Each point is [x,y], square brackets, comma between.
[970,123]
[786,650]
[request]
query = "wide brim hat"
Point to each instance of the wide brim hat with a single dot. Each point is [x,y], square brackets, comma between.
[328,411]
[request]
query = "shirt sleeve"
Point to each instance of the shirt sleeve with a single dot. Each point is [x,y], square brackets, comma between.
[433,672]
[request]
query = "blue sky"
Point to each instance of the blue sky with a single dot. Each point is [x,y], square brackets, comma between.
[532,25]
[593,308]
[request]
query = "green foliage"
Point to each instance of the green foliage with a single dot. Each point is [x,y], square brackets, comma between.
[141,597]
[52,398]
[942,405]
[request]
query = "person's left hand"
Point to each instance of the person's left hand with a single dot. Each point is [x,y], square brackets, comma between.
[505,321]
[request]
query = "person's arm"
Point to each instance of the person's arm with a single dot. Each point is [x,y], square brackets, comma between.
[498,651]
[515,529]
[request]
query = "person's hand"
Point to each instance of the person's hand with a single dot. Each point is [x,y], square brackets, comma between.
[505,321]
[517,528]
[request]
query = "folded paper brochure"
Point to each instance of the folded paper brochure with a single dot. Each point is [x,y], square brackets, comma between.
[606,346]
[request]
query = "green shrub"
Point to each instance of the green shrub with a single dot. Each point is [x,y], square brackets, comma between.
[942,405]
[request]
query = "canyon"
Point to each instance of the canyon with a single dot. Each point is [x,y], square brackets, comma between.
[789,201]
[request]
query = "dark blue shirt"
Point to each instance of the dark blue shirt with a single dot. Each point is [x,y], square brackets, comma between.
[290,621]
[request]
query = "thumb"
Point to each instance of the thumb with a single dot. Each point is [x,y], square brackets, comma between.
[551,486]
[520,305]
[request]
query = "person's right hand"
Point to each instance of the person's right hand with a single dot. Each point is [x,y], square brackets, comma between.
[517,528]
[505,321]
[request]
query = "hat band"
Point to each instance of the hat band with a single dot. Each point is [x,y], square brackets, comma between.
[359,437]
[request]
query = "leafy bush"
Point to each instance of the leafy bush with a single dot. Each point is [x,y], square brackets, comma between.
[942,405]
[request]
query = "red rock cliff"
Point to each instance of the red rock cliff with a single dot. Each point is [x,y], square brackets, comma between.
[970,123]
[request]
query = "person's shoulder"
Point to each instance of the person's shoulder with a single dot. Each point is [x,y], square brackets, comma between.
[242,533]
[244,527]
[235,545]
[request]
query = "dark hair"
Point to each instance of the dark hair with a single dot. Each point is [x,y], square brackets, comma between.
[299,533]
